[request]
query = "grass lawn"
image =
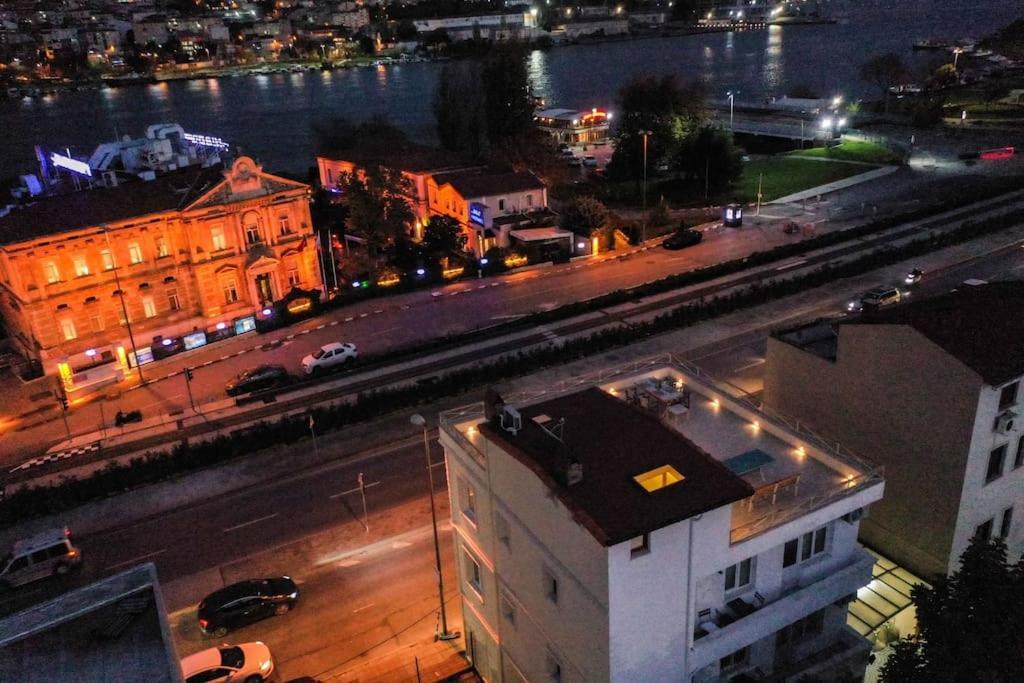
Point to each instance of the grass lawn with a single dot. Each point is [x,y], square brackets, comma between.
[850,150]
[785,175]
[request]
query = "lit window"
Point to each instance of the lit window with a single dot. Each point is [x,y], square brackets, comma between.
[230,291]
[472,568]
[639,545]
[172,300]
[97,323]
[161,247]
[739,574]
[81,265]
[285,224]
[52,274]
[467,500]
[67,327]
[134,253]
[658,478]
[293,277]
[148,307]
[108,259]
[217,236]
[995,464]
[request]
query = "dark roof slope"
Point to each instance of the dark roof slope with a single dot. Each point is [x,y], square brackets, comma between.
[485,181]
[982,326]
[615,442]
[405,156]
[87,208]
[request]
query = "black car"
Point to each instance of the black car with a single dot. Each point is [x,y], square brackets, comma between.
[246,602]
[262,377]
[682,239]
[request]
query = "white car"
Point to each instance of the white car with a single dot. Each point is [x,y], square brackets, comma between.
[329,356]
[245,663]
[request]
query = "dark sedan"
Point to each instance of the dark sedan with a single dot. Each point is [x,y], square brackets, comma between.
[682,239]
[246,602]
[263,377]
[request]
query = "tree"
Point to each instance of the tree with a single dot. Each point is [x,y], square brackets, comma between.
[944,76]
[443,236]
[970,624]
[802,91]
[884,72]
[460,118]
[508,103]
[406,31]
[378,210]
[339,134]
[708,159]
[584,215]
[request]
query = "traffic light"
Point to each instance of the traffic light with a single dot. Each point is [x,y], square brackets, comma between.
[188,374]
[63,401]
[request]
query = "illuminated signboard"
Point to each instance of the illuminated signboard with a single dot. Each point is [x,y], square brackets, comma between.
[476,213]
[144,355]
[195,340]
[69,164]
[243,325]
[206,141]
[300,305]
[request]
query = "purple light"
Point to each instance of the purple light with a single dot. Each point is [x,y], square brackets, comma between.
[421,271]
[356,284]
[166,342]
[221,326]
[483,262]
[90,352]
[267,312]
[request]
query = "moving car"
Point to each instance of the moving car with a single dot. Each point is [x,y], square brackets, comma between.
[682,239]
[48,553]
[245,663]
[875,298]
[913,277]
[329,356]
[246,602]
[262,377]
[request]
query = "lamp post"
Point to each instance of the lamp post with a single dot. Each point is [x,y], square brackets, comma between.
[732,97]
[124,307]
[956,56]
[643,218]
[443,634]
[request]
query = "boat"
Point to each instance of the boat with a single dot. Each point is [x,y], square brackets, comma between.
[931,44]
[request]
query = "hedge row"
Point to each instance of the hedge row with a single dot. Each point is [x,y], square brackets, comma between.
[154,467]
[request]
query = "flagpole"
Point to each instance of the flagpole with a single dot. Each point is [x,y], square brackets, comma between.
[316,449]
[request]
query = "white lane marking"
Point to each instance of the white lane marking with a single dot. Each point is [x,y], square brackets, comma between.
[348,563]
[349,319]
[320,327]
[250,522]
[136,560]
[335,322]
[363,315]
[791,264]
[398,545]
[351,491]
[360,609]
[379,310]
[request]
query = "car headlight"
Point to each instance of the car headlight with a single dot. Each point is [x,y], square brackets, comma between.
[293,595]
[265,665]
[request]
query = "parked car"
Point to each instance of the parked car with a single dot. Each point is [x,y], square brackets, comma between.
[329,356]
[262,377]
[47,553]
[682,239]
[245,663]
[913,277]
[246,602]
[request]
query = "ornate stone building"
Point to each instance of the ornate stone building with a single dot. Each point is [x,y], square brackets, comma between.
[87,277]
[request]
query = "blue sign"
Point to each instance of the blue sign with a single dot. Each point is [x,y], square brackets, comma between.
[476,213]
[247,324]
[195,340]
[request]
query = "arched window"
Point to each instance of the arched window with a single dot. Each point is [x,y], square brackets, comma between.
[253,233]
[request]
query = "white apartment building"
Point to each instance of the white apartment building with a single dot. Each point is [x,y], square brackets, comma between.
[650,524]
[932,390]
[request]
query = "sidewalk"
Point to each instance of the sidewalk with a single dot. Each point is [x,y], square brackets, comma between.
[837,185]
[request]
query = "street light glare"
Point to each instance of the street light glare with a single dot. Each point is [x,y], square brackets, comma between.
[417,420]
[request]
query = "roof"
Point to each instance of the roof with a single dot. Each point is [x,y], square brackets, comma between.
[540,234]
[485,182]
[39,540]
[204,659]
[89,208]
[557,114]
[614,442]
[981,326]
[405,156]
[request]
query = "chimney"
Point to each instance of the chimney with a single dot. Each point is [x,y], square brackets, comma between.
[493,404]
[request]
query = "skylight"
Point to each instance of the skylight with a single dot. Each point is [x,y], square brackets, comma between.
[658,478]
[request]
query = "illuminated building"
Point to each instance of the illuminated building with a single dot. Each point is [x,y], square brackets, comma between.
[202,249]
[572,127]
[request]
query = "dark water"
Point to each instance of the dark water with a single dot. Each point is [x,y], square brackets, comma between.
[269,117]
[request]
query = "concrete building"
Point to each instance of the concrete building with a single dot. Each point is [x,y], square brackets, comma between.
[649,524]
[202,249]
[493,26]
[931,389]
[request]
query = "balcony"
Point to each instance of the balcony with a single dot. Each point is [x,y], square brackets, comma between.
[737,625]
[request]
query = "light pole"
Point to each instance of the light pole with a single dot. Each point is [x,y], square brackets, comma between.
[732,97]
[124,308]
[443,634]
[643,217]
[956,56]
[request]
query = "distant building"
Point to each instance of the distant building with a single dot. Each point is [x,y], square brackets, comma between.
[584,27]
[571,127]
[200,251]
[112,630]
[496,26]
[648,525]
[932,390]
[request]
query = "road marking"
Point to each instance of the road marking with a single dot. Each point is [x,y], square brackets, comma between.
[335,322]
[363,315]
[379,310]
[791,264]
[349,319]
[136,560]
[320,327]
[355,490]
[250,522]
[360,609]
[290,336]
[397,545]
[348,563]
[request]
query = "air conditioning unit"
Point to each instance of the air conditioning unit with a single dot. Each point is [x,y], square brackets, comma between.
[1005,422]
[853,516]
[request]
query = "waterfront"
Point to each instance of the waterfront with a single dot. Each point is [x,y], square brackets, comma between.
[269,116]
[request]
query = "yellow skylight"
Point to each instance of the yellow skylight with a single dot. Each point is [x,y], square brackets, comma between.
[659,478]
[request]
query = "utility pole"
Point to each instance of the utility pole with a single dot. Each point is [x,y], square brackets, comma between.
[63,399]
[316,449]
[188,387]
[362,492]
[124,307]
[643,218]
[760,177]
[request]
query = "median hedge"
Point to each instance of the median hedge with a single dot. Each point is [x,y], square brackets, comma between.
[186,457]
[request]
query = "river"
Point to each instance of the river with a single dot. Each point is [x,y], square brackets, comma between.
[269,116]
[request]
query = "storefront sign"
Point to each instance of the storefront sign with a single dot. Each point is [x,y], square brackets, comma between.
[299,305]
[247,324]
[143,355]
[476,213]
[195,340]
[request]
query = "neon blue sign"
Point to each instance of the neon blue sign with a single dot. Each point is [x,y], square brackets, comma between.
[476,213]
[69,164]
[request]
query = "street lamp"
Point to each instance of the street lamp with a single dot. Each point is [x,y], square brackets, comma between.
[732,96]
[124,308]
[956,56]
[443,634]
[643,218]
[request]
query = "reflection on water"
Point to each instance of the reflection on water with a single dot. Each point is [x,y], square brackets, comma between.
[772,71]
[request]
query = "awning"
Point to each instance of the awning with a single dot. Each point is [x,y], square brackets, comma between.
[541,234]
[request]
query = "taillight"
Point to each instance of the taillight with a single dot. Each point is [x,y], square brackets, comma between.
[72,553]
[203,623]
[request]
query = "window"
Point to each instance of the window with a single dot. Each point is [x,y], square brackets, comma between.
[230,291]
[472,572]
[330,176]
[67,327]
[161,247]
[802,629]
[108,259]
[984,530]
[173,302]
[97,323]
[554,668]
[550,585]
[995,464]
[529,200]
[501,529]
[658,478]
[739,574]
[81,265]
[467,500]
[737,658]
[293,277]
[501,205]
[508,610]
[1018,459]
[148,307]
[252,233]
[134,253]
[1008,396]
[285,224]
[639,545]
[1004,525]
[52,274]
[809,545]
[217,237]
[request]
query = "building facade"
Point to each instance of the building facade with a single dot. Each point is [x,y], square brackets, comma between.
[931,389]
[648,525]
[86,277]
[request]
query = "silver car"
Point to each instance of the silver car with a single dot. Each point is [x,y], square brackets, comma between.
[46,554]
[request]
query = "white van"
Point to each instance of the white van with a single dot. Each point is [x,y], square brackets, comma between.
[47,553]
